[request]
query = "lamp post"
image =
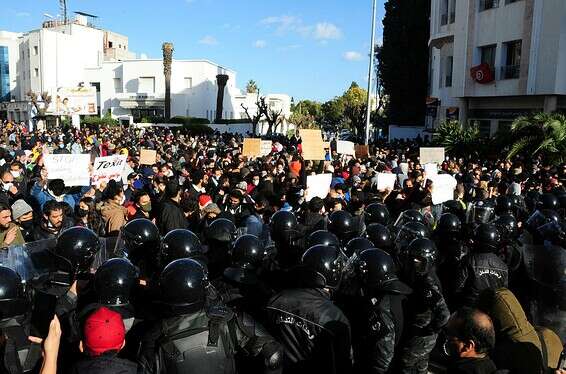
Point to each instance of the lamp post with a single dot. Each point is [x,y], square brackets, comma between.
[370,73]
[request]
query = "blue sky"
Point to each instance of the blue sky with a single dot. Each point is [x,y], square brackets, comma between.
[309,49]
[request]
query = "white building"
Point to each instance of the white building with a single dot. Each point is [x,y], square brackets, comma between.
[516,49]
[76,53]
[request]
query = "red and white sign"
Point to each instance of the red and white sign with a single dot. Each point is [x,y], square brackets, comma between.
[482,73]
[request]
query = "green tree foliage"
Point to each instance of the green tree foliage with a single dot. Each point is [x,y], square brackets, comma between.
[404,60]
[355,107]
[332,113]
[459,141]
[251,87]
[540,134]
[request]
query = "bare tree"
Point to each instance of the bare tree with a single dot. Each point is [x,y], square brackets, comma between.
[36,102]
[272,116]
[254,119]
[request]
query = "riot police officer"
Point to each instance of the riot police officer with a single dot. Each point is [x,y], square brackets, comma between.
[322,237]
[342,224]
[285,234]
[219,236]
[377,213]
[180,243]
[141,245]
[380,236]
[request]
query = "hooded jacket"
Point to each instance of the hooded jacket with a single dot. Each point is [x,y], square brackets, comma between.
[518,345]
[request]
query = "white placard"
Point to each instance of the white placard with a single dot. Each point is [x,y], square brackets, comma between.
[431,154]
[318,185]
[386,181]
[76,121]
[73,169]
[266,147]
[431,170]
[345,148]
[443,186]
[107,168]
[404,167]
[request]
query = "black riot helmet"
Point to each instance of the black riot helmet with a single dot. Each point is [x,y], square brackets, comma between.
[76,248]
[220,231]
[548,201]
[183,284]
[455,207]
[327,263]
[410,215]
[504,205]
[448,224]
[13,301]
[283,226]
[141,238]
[357,245]
[377,271]
[180,243]
[421,256]
[114,281]
[322,237]
[380,236]
[508,227]
[531,200]
[409,232]
[377,213]
[480,212]
[247,256]
[342,224]
[487,238]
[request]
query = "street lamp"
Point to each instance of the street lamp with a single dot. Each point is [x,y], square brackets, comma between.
[370,73]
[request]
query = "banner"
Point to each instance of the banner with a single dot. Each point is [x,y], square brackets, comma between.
[345,148]
[266,147]
[312,144]
[148,157]
[72,169]
[107,168]
[74,100]
[443,186]
[318,185]
[386,181]
[252,147]
[431,155]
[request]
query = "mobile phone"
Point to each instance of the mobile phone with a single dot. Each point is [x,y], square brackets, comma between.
[562,361]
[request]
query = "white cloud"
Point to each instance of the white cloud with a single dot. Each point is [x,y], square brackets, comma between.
[208,40]
[283,24]
[326,31]
[260,44]
[352,56]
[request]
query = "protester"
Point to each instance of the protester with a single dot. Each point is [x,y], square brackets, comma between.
[10,233]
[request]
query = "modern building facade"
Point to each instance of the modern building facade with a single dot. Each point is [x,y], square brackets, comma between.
[494,60]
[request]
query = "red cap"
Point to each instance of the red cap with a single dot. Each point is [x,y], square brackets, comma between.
[104,331]
[204,200]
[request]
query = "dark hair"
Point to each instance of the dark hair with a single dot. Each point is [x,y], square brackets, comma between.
[4,206]
[111,191]
[470,329]
[51,206]
[189,205]
[172,189]
[57,186]
[139,194]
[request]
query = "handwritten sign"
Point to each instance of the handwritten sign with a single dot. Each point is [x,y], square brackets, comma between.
[252,147]
[107,168]
[72,169]
[312,144]
[362,151]
[266,147]
[431,155]
[386,181]
[318,185]
[443,186]
[148,157]
[345,148]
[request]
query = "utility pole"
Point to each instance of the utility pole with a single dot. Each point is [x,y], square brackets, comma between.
[370,73]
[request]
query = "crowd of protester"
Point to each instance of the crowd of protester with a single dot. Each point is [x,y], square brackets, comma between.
[209,241]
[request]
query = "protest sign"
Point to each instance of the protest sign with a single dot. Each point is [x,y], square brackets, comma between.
[252,147]
[107,168]
[431,170]
[312,144]
[443,186]
[148,157]
[345,148]
[266,147]
[318,185]
[429,155]
[404,167]
[72,169]
[386,181]
[362,151]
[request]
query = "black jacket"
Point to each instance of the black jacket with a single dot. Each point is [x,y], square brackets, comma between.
[479,271]
[313,331]
[104,364]
[171,217]
[472,366]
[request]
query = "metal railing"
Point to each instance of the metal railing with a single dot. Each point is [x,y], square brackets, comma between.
[510,71]
[488,4]
[443,19]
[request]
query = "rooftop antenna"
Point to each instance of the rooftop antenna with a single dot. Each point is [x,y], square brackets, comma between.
[63,9]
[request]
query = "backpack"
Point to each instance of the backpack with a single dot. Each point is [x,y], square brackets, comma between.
[200,343]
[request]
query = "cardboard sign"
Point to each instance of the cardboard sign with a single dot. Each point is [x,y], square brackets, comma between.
[148,157]
[107,168]
[430,155]
[345,148]
[431,170]
[266,147]
[362,151]
[386,181]
[312,144]
[252,147]
[443,186]
[318,185]
[72,169]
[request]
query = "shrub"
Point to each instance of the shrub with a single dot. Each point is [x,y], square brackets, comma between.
[189,120]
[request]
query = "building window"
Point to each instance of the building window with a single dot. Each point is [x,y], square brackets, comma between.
[487,55]
[511,1]
[511,68]
[444,5]
[35,50]
[452,10]
[118,85]
[504,126]
[110,44]
[36,72]
[449,68]
[146,84]
[484,126]
[488,4]
[4,74]
[188,82]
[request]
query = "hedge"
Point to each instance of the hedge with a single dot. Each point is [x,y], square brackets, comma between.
[189,120]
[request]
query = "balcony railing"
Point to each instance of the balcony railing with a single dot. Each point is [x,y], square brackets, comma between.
[452,17]
[510,71]
[448,81]
[444,19]
[488,4]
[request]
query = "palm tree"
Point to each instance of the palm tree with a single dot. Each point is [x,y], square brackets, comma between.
[459,140]
[251,87]
[167,61]
[540,134]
